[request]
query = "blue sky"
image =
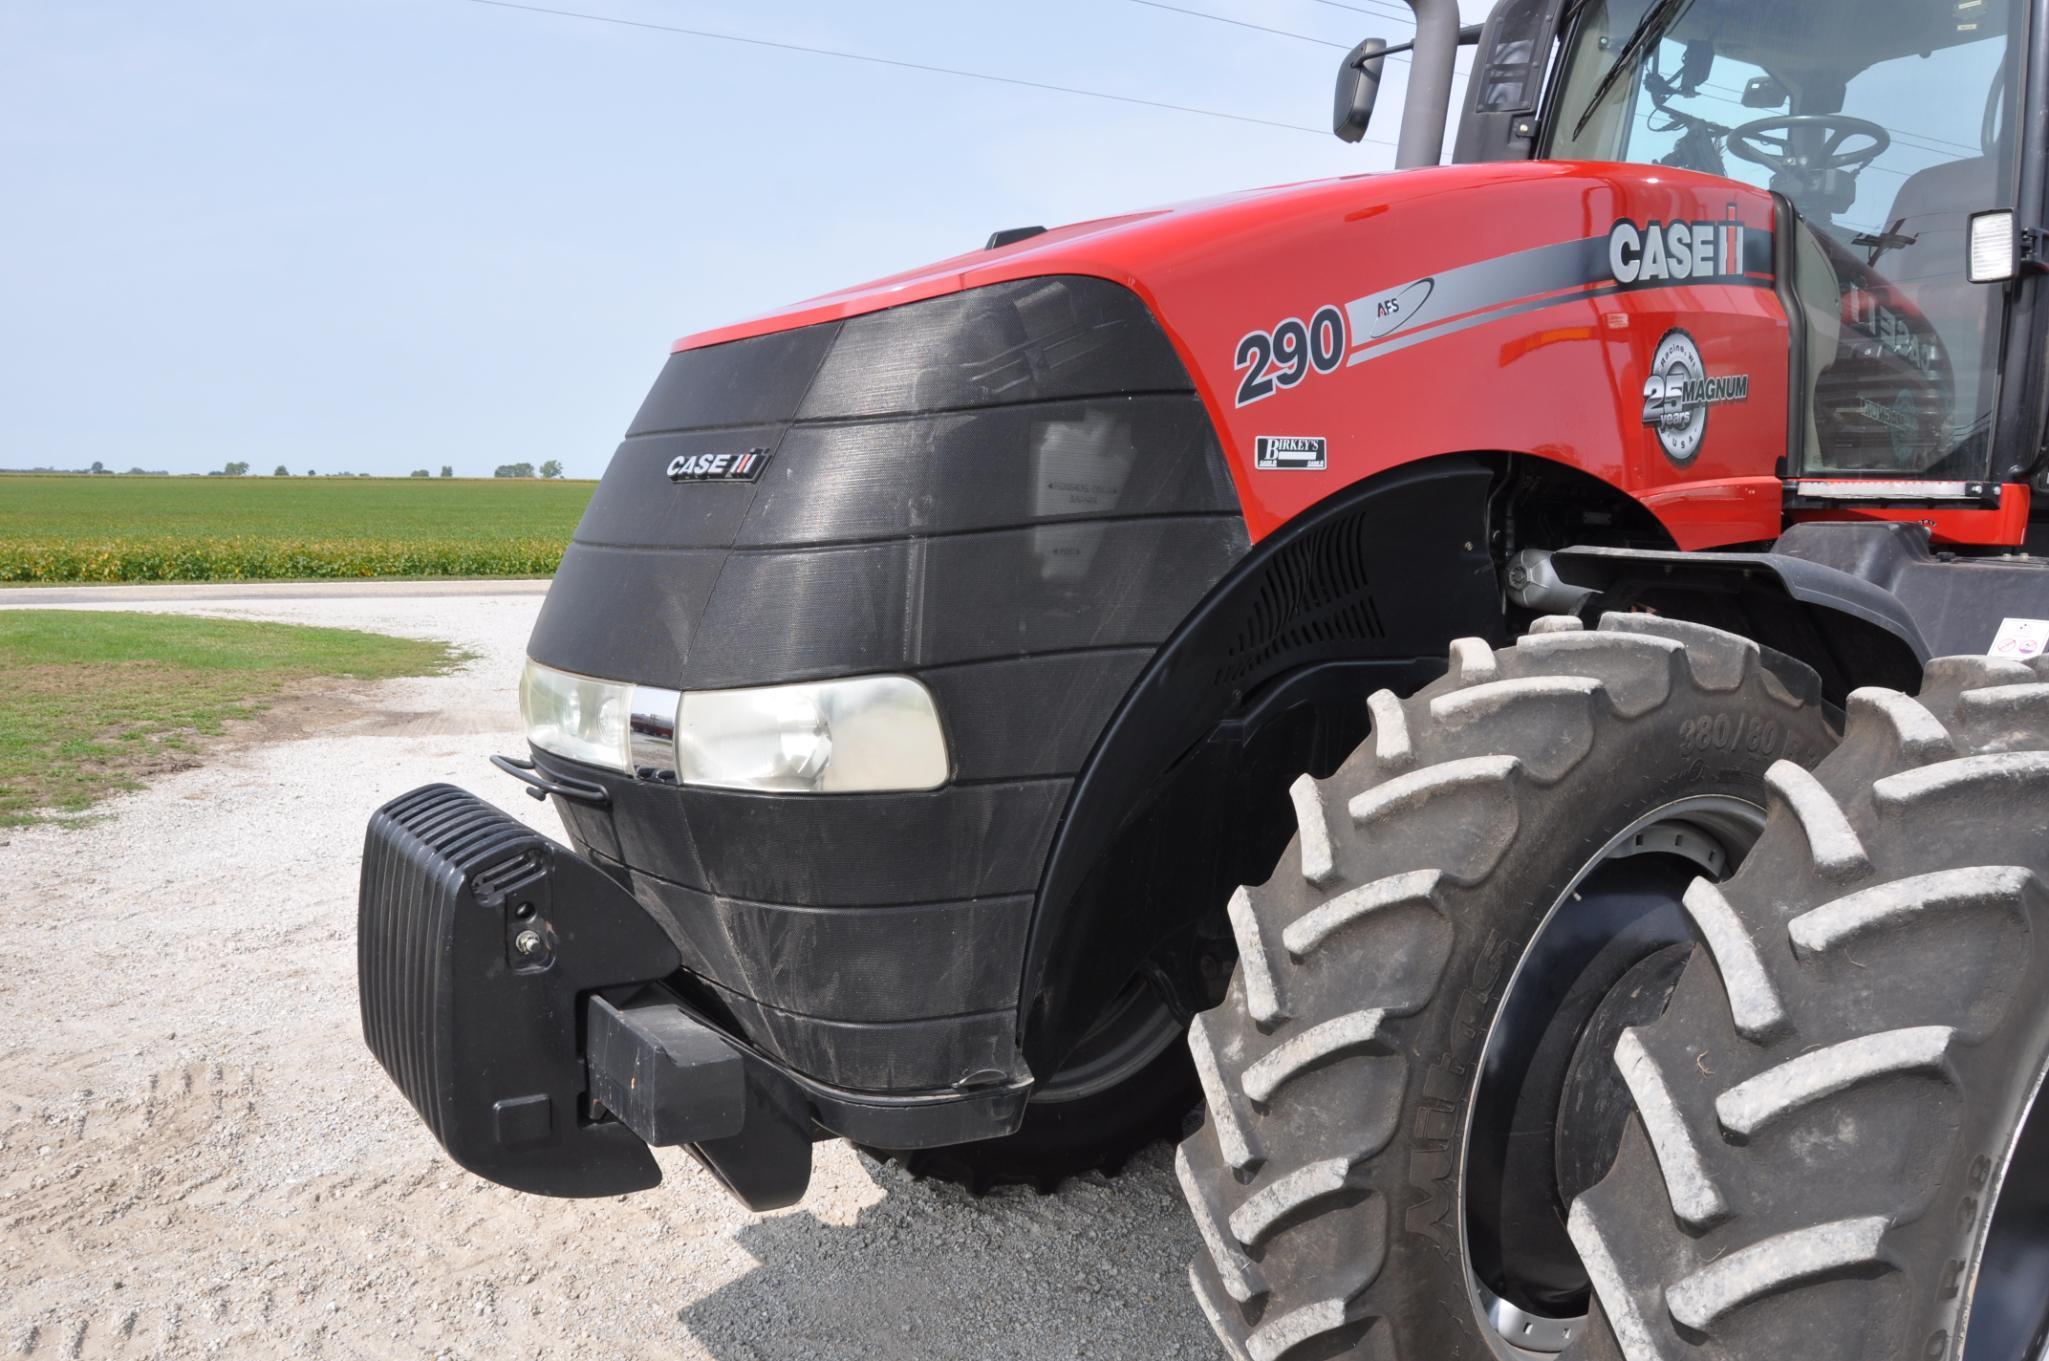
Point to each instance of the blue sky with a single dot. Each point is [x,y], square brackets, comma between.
[388,234]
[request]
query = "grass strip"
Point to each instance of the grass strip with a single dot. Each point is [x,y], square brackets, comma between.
[92,702]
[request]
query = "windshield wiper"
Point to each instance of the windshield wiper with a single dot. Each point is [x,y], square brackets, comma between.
[1649,29]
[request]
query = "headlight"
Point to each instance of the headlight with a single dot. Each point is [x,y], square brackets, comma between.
[862,735]
[866,734]
[576,716]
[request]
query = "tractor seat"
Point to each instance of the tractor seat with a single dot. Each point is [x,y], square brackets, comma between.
[1934,208]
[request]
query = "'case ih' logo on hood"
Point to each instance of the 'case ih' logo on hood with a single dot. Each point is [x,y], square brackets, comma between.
[1661,252]
[741,467]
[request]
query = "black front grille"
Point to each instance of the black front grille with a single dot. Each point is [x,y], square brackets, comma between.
[1013,493]
[1013,471]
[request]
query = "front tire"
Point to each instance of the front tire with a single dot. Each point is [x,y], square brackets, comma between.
[1327,1182]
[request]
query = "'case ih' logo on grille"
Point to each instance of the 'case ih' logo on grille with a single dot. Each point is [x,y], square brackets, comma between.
[741,467]
[1291,453]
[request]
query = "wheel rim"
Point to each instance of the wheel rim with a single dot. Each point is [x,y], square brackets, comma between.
[1604,955]
[1134,1030]
[2009,1318]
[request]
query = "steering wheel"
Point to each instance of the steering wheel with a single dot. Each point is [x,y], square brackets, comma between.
[1769,142]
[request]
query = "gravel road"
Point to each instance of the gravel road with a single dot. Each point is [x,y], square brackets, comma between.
[198,1156]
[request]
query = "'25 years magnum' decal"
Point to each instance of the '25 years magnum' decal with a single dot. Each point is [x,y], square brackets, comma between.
[1281,358]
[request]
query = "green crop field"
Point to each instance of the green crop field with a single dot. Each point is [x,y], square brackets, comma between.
[108,529]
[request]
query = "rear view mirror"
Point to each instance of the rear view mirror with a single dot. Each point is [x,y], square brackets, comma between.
[1358,88]
[1764,92]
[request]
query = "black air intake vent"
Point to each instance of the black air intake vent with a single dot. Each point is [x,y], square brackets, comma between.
[1315,596]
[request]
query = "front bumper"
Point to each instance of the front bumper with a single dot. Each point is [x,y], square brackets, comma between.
[532,1012]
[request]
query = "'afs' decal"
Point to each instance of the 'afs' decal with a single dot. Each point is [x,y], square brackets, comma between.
[1290,453]
[1397,310]
[741,467]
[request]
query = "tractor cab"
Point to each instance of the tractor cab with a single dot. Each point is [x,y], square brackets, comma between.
[1888,128]
[1890,132]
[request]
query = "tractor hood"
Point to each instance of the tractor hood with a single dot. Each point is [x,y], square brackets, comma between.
[1132,250]
[1275,300]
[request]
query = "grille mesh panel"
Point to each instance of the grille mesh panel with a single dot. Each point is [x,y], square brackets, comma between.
[1316,596]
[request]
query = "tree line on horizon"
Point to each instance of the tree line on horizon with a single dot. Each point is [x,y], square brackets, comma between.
[550,469]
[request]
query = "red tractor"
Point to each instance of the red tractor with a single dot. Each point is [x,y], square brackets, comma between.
[1583,590]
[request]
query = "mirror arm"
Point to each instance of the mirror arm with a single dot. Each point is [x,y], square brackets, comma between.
[1469,36]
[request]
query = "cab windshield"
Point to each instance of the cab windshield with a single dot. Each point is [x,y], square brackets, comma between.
[1887,123]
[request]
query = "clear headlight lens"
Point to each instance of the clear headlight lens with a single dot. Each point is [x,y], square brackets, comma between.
[866,734]
[862,735]
[577,717]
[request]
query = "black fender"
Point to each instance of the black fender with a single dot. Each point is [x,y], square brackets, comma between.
[1862,603]
[1184,795]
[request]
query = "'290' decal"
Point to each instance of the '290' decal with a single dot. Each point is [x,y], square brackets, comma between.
[1281,358]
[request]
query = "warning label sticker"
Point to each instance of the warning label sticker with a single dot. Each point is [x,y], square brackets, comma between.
[2020,639]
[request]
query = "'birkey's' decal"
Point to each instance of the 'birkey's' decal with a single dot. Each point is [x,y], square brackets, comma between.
[1291,453]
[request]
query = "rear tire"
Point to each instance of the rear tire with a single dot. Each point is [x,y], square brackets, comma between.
[1338,1073]
[1841,1082]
